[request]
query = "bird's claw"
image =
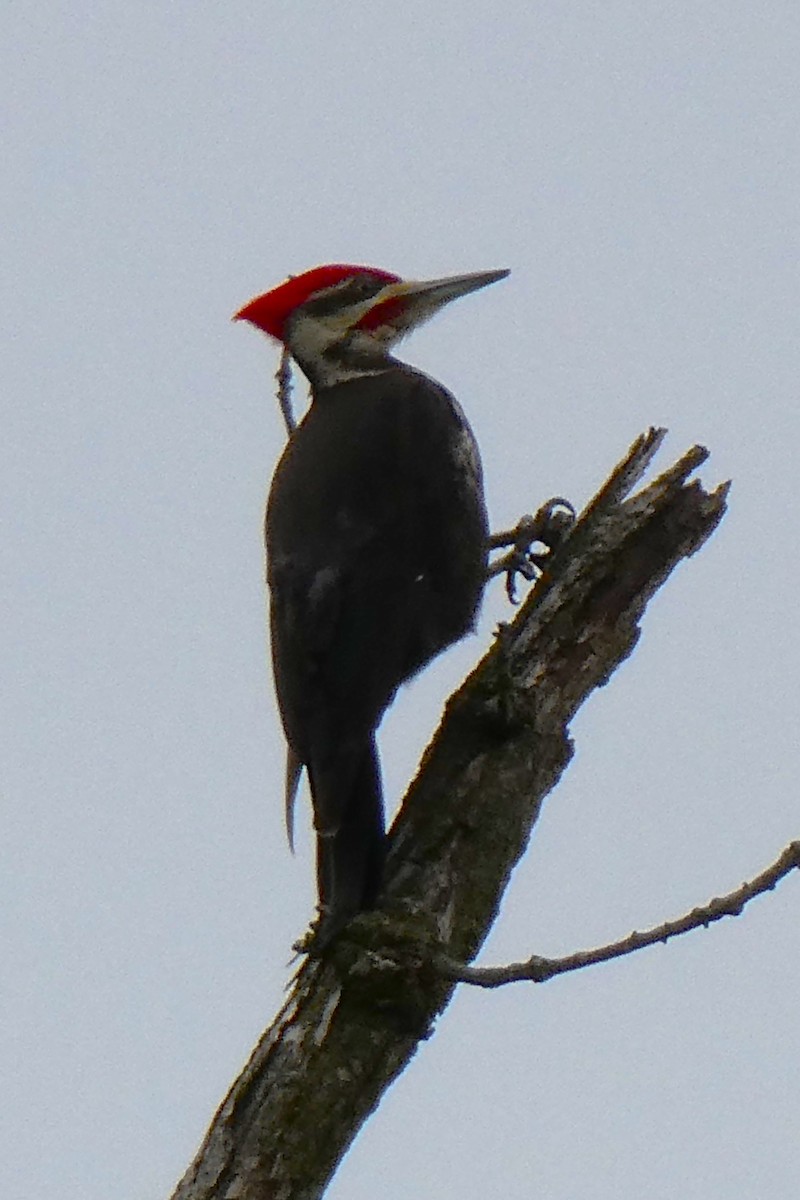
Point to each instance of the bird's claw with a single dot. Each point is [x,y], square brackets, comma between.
[550,527]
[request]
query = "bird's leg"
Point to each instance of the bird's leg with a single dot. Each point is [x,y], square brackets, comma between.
[550,527]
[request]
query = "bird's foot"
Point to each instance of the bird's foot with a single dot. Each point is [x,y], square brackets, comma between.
[550,528]
[323,931]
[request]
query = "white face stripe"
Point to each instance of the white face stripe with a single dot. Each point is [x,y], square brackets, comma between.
[312,342]
[310,339]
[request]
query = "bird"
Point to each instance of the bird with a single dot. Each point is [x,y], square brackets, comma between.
[377,544]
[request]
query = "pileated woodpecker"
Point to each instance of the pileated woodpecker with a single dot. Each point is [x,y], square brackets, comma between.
[377,545]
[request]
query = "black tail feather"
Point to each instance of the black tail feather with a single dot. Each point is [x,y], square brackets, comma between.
[351,854]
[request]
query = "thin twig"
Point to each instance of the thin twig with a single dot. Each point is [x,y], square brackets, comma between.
[538,970]
[284,378]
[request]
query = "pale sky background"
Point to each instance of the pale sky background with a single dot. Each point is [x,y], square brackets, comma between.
[637,166]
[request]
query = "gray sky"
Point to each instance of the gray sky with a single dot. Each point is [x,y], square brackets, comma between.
[637,166]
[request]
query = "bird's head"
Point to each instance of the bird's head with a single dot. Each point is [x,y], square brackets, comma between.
[340,322]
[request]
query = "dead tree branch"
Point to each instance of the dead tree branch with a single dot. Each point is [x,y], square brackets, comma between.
[354,1020]
[538,970]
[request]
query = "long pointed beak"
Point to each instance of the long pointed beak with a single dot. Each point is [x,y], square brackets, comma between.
[406,304]
[435,292]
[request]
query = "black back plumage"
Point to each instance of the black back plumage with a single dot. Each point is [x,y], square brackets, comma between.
[376,547]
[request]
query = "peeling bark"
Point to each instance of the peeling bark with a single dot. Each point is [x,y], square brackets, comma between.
[354,1020]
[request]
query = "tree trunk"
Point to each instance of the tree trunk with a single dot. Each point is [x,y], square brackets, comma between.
[354,1019]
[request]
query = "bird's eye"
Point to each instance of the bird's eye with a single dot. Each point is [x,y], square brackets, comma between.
[362,286]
